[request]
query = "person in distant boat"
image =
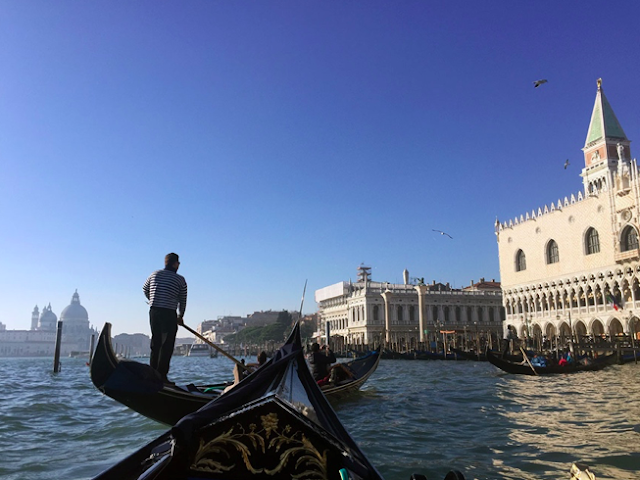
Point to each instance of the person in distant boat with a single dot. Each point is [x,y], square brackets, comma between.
[565,360]
[166,292]
[252,367]
[321,369]
[320,361]
[539,361]
[241,372]
[262,359]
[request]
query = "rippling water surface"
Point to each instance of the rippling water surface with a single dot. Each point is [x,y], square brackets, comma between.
[411,417]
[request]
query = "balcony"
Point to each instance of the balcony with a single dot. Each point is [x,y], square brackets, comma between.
[628,255]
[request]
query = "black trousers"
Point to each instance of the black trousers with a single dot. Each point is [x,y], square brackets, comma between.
[164,326]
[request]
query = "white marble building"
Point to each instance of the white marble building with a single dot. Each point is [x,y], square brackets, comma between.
[574,265]
[41,338]
[356,312]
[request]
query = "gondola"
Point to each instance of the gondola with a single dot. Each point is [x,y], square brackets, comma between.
[425,355]
[526,369]
[275,424]
[482,357]
[470,355]
[139,387]
[629,358]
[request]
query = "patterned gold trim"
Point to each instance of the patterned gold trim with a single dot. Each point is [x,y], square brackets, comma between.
[293,450]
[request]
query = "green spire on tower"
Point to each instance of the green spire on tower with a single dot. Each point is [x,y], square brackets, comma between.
[604,124]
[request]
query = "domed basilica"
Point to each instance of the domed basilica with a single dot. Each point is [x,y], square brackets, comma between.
[76,331]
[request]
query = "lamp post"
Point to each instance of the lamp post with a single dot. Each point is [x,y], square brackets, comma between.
[439,325]
[465,339]
[477,338]
[444,345]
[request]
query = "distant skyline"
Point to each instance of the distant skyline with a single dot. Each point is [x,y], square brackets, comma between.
[269,143]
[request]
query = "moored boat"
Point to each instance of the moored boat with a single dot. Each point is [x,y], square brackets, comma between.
[139,387]
[199,350]
[470,355]
[528,368]
[453,355]
[482,356]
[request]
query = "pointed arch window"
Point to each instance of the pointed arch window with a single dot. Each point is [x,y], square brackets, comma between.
[592,241]
[629,240]
[553,256]
[521,261]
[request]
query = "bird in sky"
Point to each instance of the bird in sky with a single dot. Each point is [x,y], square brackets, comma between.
[442,233]
[566,163]
[537,83]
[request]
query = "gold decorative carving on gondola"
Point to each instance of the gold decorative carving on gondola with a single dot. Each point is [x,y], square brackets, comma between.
[292,449]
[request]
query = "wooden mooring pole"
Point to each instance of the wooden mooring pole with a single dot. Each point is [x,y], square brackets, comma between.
[56,356]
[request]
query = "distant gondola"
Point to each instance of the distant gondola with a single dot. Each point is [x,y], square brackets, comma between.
[424,355]
[526,369]
[482,357]
[470,355]
[420,355]
[629,358]
[139,387]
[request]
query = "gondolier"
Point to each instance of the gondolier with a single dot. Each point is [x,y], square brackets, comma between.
[166,292]
[320,361]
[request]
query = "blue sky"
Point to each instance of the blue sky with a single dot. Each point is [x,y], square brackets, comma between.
[269,143]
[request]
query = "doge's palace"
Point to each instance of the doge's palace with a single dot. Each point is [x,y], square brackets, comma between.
[572,267]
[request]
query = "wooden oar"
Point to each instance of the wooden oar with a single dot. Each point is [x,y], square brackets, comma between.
[524,355]
[210,343]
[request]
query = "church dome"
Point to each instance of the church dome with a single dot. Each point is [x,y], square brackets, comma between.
[48,319]
[74,312]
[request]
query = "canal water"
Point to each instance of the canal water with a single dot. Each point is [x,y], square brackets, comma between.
[416,416]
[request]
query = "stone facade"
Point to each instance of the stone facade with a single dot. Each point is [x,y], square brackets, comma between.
[356,313]
[573,267]
[41,339]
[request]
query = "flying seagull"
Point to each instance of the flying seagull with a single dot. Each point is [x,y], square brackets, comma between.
[442,233]
[566,163]
[537,83]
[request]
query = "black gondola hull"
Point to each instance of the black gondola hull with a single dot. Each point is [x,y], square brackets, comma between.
[526,369]
[140,388]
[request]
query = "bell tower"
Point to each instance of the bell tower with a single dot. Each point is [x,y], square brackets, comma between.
[607,149]
[35,315]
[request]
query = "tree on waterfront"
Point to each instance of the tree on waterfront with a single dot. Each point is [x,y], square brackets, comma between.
[275,332]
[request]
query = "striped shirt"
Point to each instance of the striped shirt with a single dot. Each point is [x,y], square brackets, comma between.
[166,289]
